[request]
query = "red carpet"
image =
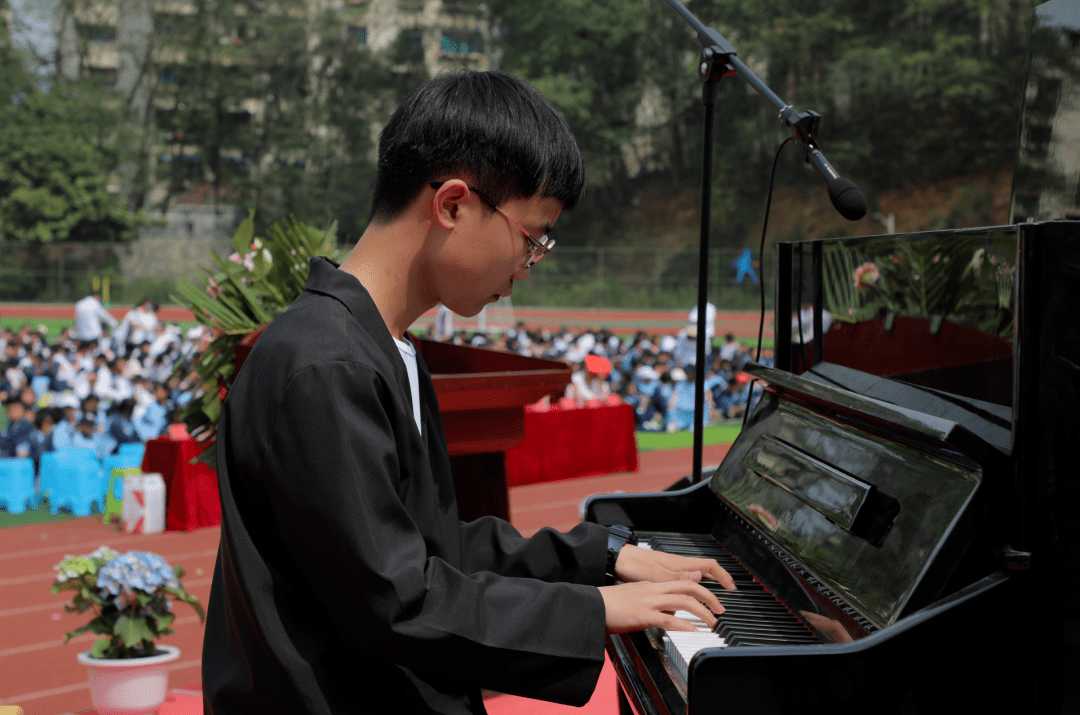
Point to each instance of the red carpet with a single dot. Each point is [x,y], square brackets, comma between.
[604,701]
[188,701]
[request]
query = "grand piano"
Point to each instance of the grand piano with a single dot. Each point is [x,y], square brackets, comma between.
[899,511]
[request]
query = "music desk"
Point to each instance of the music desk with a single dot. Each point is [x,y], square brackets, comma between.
[191,490]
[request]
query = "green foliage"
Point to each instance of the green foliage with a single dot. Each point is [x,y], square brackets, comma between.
[53,178]
[909,91]
[246,291]
[308,150]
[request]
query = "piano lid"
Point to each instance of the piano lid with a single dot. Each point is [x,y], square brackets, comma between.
[1046,182]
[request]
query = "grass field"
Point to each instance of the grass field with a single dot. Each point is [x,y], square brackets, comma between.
[54,325]
[717,434]
[35,516]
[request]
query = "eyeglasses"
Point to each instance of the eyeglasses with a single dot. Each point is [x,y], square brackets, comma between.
[540,248]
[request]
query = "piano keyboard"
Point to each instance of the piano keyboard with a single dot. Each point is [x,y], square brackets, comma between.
[753,616]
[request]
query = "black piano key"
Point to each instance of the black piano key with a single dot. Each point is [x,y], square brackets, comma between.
[739,638]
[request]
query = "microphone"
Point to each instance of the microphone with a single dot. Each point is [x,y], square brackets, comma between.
[845,196]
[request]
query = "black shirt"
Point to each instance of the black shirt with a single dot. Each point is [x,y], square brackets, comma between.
[345,581]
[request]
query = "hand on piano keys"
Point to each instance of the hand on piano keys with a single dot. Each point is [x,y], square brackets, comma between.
[637,606]
[643,564]
[660,585]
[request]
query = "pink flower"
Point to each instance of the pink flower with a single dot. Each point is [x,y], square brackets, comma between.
[866,275]
[235,258]
[213,288]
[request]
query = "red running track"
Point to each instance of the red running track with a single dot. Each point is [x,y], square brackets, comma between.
[40,673]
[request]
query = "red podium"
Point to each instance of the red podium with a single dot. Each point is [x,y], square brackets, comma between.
[482,398]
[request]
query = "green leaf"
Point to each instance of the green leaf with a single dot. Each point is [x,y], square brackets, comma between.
[163,620]
[77,632]
[212,408]
[241,240]
[133,630]
[99,648]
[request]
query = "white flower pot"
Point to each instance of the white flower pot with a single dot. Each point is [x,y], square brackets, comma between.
[129,686]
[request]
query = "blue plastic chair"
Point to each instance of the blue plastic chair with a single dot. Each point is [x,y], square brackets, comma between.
[73,478]
[132,453]
[17,484]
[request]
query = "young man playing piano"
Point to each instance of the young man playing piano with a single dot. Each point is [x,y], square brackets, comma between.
[344,578]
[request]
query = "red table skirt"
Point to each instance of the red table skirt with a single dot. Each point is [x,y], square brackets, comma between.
[191,490]
[579,442]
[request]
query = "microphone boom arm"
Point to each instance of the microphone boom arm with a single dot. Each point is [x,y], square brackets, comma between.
[719,57]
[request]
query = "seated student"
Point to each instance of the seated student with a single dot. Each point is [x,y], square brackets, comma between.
[119,426]
[344,572]
[681,403]
[19,429]
[88,434]
[154,420]
[41,441]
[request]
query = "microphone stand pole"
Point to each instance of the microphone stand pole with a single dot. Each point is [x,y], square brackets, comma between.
[713,68]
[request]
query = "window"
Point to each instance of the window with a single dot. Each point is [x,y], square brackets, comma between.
[359,34]
[415,41]
[454,42]
[98,33]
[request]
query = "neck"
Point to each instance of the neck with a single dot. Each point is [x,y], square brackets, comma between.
[389,261]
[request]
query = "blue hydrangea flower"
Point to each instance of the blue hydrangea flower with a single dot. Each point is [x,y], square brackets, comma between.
[139,570]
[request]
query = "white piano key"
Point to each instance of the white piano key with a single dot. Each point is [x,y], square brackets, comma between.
[680,646]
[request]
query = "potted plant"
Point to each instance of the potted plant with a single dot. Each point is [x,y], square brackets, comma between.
[131,596]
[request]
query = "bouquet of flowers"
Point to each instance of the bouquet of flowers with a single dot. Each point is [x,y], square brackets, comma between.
[131,595]
[252,286]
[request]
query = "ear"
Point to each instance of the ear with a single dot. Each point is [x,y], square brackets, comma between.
[448,201]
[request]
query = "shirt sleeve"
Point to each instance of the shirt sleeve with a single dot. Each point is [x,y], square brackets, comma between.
[334,473]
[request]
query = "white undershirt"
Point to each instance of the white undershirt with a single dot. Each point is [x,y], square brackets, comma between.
[408,354]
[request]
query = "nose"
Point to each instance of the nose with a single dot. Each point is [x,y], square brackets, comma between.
[521,273]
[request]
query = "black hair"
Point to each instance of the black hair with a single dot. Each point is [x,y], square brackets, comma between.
[491,128]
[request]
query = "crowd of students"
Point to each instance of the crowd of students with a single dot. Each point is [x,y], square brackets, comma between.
[123,385]
[654,373]
[100,392]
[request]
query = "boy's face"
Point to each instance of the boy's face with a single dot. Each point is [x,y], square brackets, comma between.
[15,411]
[485,253]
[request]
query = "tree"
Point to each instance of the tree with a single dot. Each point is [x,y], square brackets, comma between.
[53,175]
[910,91]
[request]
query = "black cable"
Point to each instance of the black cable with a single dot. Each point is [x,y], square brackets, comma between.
[761,253]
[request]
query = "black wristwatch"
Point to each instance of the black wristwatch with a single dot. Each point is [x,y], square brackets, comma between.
[618,536]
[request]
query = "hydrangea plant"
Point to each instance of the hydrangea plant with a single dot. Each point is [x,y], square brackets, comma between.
[131,595]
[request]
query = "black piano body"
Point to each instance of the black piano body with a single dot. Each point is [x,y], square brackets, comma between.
[906,488]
